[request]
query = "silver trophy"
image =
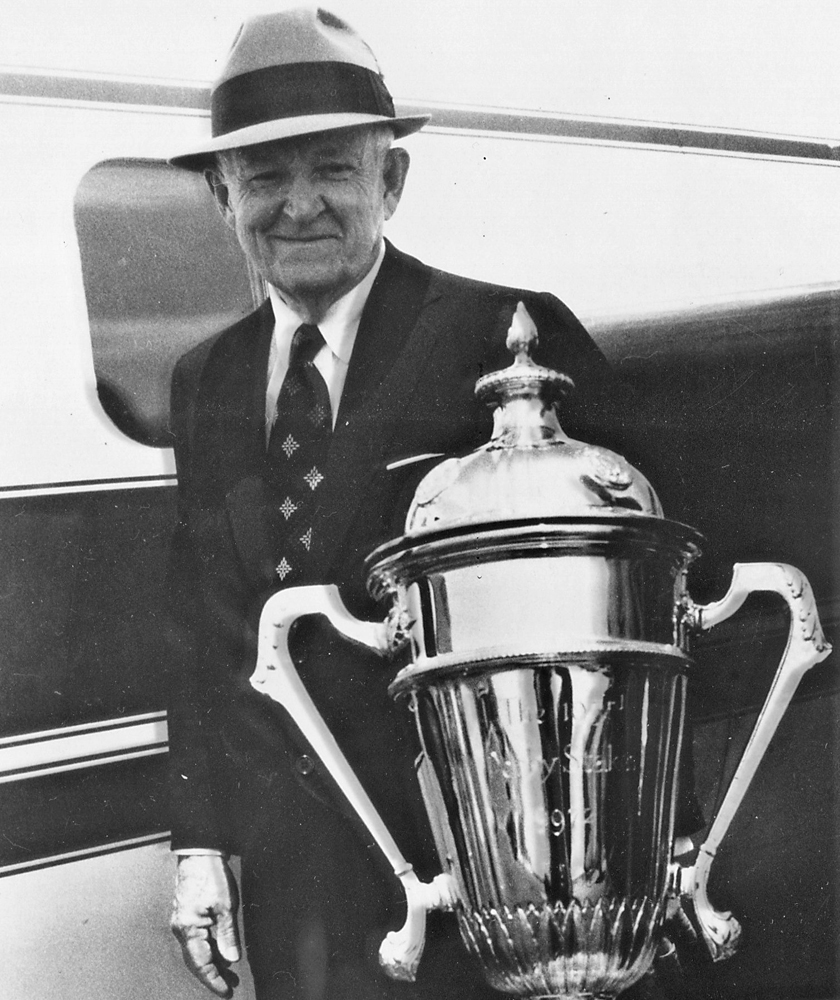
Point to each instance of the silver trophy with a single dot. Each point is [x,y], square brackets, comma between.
[542,596]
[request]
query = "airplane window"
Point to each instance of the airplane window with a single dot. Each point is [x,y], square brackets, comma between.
[161,272]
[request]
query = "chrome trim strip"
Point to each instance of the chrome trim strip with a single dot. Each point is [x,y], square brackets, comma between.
[84,853]
[114,107]
[78,765]
[39,85]
[559,125]
[55,751]
[84,727]
[785,153]
[87,486]
[92,88]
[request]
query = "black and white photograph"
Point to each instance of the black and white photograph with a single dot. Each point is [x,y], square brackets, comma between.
[418,492]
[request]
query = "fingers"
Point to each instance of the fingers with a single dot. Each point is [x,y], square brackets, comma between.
[204,921]
[201,959]
[227,937]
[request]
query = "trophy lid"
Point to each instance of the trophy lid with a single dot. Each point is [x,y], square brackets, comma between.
[529,468]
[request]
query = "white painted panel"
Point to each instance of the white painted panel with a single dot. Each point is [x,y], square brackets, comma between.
[96,929]
[53,427]
[608,228]
[618,228]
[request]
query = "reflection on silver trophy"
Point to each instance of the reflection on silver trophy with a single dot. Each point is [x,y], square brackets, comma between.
[542,596]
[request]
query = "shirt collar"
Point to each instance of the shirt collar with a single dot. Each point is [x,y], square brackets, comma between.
[341,322]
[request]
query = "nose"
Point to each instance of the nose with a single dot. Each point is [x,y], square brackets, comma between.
[302,200]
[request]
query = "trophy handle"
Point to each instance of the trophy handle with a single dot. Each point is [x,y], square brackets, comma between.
[806,646]
[276,676]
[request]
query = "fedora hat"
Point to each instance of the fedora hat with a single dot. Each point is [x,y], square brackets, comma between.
[293,73]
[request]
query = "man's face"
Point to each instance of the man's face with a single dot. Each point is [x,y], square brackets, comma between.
[309,211]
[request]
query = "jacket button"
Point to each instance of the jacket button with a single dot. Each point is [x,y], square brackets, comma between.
[305,764]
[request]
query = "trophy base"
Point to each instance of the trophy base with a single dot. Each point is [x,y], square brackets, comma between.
[583,951]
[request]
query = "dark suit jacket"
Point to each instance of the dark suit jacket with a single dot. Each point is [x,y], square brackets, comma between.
[424,338]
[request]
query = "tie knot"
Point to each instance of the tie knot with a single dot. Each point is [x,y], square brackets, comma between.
[306,343]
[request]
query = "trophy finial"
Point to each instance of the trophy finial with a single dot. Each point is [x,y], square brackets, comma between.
[524,379]
[522,336]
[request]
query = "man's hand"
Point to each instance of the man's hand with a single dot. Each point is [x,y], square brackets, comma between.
[204,920]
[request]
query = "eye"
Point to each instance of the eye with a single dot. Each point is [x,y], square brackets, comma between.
[336,169]
[266,177]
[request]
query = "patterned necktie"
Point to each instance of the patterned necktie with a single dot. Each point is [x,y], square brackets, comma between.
[297,451]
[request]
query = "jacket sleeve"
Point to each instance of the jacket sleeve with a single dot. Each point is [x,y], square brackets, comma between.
[196,813]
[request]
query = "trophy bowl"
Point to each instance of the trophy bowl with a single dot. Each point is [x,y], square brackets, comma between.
[548,692]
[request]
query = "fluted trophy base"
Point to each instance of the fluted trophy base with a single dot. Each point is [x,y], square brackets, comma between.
[564,952]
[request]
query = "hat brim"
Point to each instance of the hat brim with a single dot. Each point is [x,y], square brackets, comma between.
[200,156]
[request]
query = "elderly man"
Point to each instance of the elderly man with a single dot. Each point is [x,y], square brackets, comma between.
[291,429]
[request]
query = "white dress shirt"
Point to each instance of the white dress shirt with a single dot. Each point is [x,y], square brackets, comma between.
[338,327]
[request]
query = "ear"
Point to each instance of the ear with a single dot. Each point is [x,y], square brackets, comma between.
[221,194]
[394,173]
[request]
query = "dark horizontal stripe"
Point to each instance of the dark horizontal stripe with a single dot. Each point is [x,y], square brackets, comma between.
[75,763]
[310,88]
[758,325]
[85,854]
[83,809]
[85,618]
[671,135]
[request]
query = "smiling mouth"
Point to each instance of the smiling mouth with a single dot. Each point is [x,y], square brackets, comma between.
[304,239]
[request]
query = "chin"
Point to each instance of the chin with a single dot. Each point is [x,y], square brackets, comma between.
[311,280]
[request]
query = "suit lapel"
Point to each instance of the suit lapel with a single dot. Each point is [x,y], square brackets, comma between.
[229,419]
[390,314]
[397,336]
[230,427]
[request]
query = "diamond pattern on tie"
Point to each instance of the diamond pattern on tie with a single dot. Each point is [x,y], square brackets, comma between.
[289,446]
[313,478]
[292,384]
[319,415]
[298,449]
[288,507]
